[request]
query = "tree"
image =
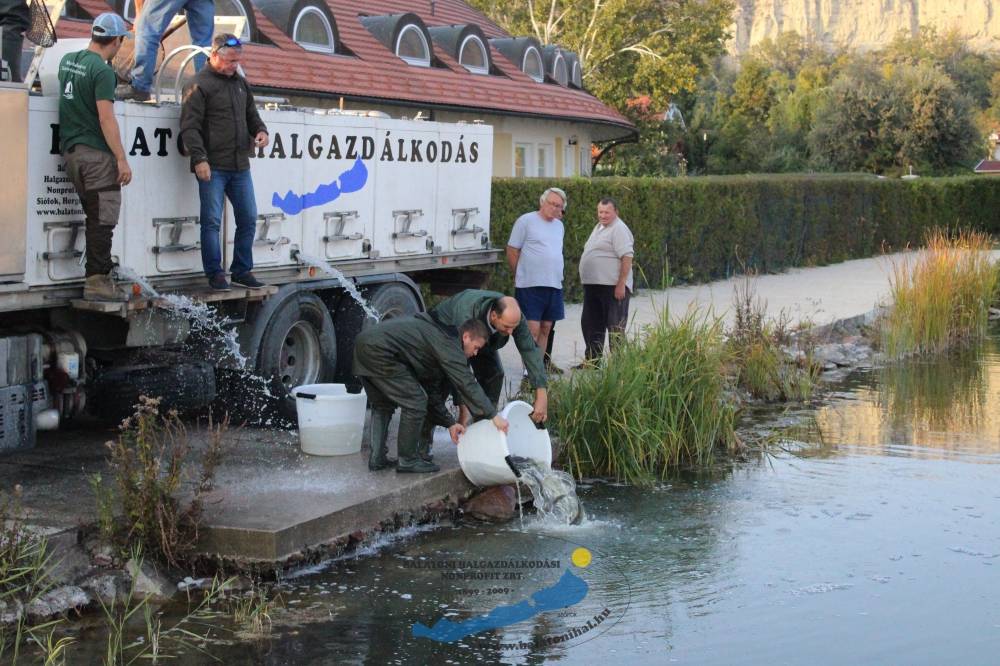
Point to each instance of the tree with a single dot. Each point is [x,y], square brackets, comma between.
[627,48]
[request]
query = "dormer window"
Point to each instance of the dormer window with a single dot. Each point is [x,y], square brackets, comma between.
[312,31]
[559,71]
[531,64]
[577,75]
[472,55]
[412,47]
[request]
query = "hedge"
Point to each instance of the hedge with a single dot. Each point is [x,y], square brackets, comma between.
[698,229]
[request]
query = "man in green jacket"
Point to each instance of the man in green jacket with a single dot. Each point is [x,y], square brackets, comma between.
[503,319]
[401,363]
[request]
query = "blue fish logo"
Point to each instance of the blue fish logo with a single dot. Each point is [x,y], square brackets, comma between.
[349,181]
[569,590]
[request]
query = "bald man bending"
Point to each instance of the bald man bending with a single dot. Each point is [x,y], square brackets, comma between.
[502,316]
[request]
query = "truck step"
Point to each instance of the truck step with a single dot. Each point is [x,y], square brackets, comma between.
[123,308]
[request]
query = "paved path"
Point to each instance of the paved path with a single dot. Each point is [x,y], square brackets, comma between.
[820,295]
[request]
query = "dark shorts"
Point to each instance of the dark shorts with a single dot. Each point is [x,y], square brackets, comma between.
[540,303]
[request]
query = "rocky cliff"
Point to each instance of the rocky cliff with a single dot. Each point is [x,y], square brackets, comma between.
[862,24]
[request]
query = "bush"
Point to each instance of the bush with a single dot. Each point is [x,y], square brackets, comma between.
[612,423]
[941,296]
[697,229]
[149,462]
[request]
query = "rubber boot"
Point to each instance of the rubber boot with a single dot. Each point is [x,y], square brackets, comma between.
[425,442]
[378,457]
[410,461]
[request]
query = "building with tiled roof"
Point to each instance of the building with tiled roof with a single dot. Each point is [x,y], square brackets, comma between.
[440,59]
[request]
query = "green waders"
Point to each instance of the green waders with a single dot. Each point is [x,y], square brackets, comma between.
[378,457]
[405,391]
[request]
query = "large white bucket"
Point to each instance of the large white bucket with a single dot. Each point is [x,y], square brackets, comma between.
[331,420]
[482,449]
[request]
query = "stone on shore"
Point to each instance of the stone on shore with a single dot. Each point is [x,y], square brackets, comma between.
[56,602]
[494,505]
[148,582]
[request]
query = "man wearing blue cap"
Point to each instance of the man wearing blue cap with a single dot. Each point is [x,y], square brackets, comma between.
[92,147]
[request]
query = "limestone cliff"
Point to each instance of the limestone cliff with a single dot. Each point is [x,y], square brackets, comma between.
[862,24]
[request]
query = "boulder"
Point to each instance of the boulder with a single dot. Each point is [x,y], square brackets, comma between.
[494,505]
[148,582]
[106,589]
[56,602]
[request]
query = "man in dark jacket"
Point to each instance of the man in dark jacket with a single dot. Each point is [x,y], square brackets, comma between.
[401,363]
[220,127]
[502,316]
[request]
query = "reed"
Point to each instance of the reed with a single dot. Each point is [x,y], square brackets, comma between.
[940,295]
[658,402]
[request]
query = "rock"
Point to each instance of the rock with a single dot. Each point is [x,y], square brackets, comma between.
[10,611]
[148,583]
[237,584]
[105,589]
[189,584]
[494,505]
[56,602]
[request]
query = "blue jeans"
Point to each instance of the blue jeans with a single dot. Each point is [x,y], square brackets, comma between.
[153,22]
[238,187]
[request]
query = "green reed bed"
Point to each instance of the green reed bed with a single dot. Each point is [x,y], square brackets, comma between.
[658,402]
[941,295]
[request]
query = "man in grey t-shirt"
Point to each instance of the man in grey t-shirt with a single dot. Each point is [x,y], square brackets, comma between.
[606,276]
[535,256]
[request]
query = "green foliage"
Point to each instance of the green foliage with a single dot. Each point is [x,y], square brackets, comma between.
[627,48]
[149,461]
[942,296]
[611,424]
[706,228]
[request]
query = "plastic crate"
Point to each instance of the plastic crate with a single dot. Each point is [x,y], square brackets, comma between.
[17,423]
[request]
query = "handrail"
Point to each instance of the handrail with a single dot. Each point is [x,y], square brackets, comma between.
[195,52]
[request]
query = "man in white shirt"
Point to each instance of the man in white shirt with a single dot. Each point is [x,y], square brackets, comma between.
[535,256]
[606,275]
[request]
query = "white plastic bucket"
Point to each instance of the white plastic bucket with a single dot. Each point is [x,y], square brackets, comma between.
[482,449]
[331,420]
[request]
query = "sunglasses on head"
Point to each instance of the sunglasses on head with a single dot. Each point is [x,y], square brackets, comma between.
[231,42]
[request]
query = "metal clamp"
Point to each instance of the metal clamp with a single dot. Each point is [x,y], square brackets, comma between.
[176,225]
[463,225]
[342,218]
[267,220]
[408,217]
[71,252]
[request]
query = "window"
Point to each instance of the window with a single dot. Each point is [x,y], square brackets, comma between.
[312,31]
[412,47]
[472,56]
[577,75]
[521,160]
[231,8]
[532,64]
[544,166]
[559,71]
[569,161]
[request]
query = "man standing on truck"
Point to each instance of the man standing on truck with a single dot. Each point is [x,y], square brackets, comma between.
[15,18]
[400,363]
[502,316]
[535,256]
[92,147]
[220,127]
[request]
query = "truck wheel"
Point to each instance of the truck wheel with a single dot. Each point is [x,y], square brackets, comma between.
[390,300]
[180,386]
[299,347]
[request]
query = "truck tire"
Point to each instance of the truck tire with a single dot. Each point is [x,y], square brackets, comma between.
[180,386]
[299,347]
[390,300]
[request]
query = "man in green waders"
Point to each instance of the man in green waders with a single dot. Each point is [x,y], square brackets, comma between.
[401,363]
[502,316]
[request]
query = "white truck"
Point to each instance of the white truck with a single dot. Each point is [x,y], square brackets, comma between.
[387,203]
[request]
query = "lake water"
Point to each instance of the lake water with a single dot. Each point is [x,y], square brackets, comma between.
[870,535]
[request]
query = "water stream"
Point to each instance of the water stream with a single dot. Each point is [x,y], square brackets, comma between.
[346,283]
[553,492]
[871,535]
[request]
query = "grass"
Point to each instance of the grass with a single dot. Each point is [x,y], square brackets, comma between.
[25,568]
[659,401]
[760,365]
[150,464]
[941,296]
